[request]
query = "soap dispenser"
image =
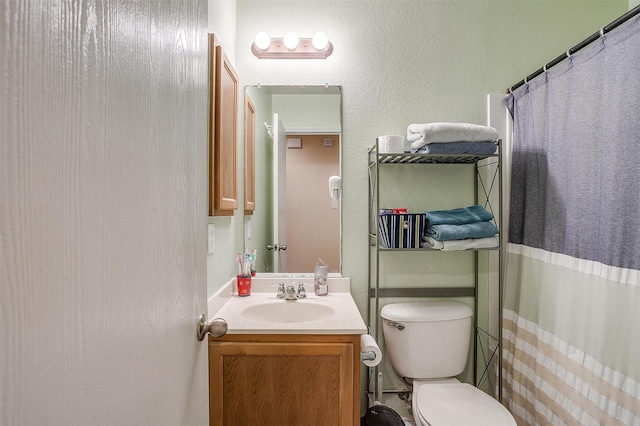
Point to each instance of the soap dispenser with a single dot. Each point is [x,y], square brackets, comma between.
[320,273]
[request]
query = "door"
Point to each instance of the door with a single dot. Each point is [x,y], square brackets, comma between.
[309,168]
[279,196]
[103,214]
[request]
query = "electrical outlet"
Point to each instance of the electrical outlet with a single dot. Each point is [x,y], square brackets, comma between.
[210,237]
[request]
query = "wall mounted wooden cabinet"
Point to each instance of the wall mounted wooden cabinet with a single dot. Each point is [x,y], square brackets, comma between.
[223,125]
[249,156]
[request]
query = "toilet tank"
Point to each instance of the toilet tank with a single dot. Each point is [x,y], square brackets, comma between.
[427,340]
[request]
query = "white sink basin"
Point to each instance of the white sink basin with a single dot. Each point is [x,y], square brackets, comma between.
[264,313]
[286,311]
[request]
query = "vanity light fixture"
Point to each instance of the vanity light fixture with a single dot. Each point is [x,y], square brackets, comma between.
[320,41]
[262,41]
[291,40]
[291,46]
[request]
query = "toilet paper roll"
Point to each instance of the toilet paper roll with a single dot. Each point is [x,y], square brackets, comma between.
[367,345]
[391,144]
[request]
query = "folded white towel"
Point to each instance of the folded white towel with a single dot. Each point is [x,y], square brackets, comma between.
[422,134]
[466,244]
[428,242]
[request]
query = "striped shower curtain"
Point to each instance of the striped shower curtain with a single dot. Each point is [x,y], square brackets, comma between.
[571,318]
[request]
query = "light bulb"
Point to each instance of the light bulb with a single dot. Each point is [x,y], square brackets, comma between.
[262,41]
[320,41]
[290,40]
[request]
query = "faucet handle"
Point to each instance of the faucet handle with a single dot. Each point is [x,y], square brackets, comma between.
[281,293]
[301,291]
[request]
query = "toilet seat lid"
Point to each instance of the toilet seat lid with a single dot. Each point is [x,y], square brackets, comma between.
[459,404]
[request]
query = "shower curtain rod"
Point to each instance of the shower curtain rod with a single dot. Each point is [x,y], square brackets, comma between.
[607,28]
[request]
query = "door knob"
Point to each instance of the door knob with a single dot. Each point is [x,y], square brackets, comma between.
[276,247]
[217,328]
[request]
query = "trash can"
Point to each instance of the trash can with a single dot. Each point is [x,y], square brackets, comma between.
[381,415]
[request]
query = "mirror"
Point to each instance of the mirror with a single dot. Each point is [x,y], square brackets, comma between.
[297,213]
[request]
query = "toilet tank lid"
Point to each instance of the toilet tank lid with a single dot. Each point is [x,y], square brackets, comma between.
[440,310]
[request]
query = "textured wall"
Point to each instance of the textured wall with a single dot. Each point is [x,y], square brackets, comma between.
[410,61]
[103,195]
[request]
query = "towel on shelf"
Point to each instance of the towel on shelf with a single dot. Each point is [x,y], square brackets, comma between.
[421,134]
[458,232]
[464,244]
[478,148]
[458,216]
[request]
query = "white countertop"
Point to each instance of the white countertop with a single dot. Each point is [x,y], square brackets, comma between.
[345,319]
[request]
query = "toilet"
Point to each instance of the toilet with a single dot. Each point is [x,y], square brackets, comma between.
[427,343]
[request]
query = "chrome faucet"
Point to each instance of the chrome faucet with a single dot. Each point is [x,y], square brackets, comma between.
[290,293]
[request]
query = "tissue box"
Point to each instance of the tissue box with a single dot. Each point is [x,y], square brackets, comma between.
[401,230]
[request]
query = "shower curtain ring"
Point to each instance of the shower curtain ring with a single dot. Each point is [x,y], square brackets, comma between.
[602,32]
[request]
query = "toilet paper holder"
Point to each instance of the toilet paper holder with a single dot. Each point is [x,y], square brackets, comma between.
[367,356]
[370,353]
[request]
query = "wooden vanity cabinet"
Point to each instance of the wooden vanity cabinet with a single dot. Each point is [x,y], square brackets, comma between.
[284,380]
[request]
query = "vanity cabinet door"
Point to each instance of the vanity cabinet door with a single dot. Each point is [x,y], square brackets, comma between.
[285,381]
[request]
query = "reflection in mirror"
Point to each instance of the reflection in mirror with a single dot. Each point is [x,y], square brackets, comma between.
[297,149]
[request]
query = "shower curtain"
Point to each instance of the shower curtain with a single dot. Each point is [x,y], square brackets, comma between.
[571,313]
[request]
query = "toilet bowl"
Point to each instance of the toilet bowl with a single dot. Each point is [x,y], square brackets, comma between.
[428,343]
[456,404]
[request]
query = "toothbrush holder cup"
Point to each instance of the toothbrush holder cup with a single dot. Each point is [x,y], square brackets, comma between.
[244,285]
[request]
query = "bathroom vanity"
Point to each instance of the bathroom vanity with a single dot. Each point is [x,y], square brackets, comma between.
[287,362]
[289,379]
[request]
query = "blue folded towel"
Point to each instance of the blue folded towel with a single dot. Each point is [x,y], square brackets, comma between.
[478,148]
[458,232]
[458,216]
